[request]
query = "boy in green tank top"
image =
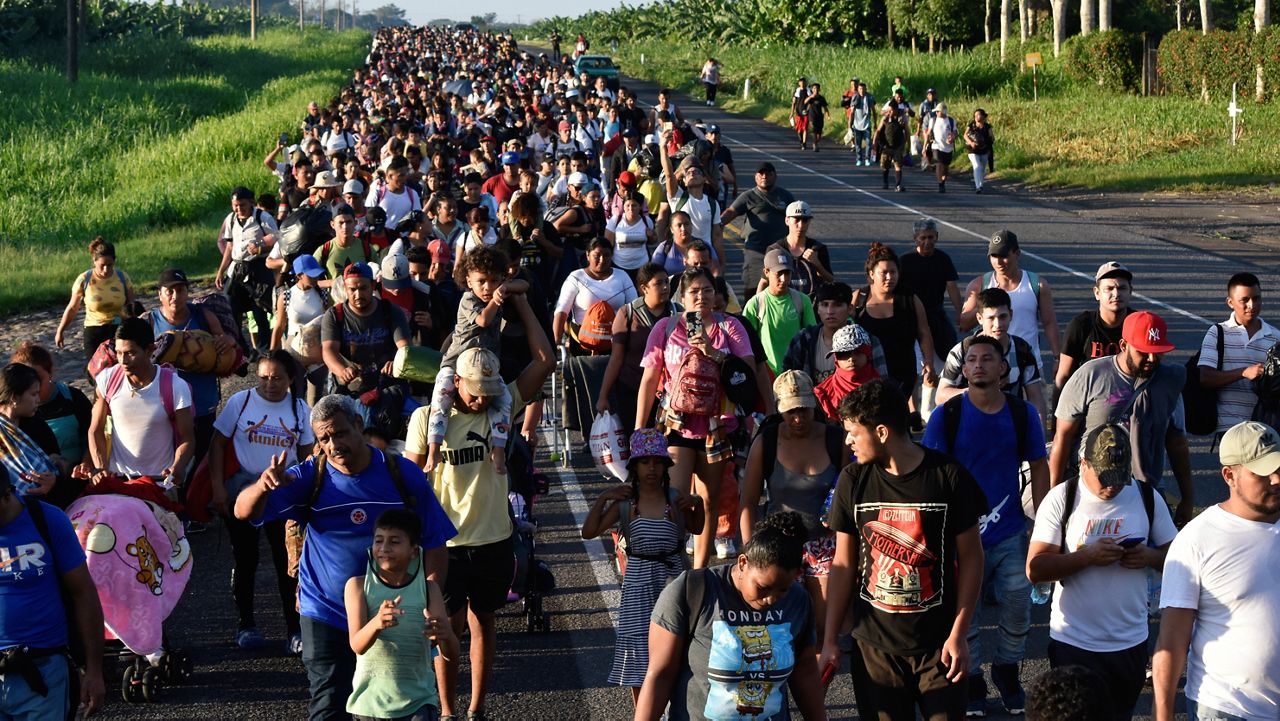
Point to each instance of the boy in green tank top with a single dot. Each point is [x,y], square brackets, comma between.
[396,620]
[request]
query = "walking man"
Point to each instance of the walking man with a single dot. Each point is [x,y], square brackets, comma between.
[765,208]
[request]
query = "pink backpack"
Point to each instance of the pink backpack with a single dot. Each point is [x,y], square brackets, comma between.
[166,375]
[695,387]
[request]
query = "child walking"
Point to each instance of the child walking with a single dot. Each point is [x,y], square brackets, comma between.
[484,269]
[396,619]
[653,520]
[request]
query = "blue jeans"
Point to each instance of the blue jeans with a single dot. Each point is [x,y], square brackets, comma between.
[20,703]
[1006,567]
[330,664]
[862,142]
[1198,712]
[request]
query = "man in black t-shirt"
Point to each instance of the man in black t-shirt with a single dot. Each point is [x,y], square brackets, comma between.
[1096,333]
[930,274]
[906,523]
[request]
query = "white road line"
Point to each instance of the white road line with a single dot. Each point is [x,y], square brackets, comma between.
[980,236]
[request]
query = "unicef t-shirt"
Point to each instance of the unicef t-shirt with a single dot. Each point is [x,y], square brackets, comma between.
[987,445]
[260,429]
[29,571]
[739,658]
[340,525]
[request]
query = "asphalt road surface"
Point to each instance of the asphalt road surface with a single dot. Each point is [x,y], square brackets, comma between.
[561,674]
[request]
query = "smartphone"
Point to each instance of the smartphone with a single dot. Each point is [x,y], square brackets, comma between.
[1131,542]
[828,673]
[284,138]
[667,126]
[693,324]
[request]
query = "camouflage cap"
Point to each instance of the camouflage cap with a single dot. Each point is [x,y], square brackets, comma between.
[1108,451]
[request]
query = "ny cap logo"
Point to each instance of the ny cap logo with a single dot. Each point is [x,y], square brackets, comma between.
[1153,334]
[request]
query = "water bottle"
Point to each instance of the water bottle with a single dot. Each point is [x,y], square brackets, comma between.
[826,507]
[1041,592]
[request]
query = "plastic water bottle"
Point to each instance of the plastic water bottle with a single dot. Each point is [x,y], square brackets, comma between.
[1041,593]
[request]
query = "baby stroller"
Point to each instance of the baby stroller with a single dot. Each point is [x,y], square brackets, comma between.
[532,579]
[138,556]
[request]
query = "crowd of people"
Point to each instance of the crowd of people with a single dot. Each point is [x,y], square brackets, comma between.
[464,218]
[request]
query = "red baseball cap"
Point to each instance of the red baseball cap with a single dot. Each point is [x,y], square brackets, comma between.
[1147,332]
[627,178]
[440,252]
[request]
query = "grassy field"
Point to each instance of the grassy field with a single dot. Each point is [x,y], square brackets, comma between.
[145,149]
[1073,136]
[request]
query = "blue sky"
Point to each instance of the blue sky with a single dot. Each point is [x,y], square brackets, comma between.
[420,11]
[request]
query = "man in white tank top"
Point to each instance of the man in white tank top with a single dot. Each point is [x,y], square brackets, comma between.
[1030,294]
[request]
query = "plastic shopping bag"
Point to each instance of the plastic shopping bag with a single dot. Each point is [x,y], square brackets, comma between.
[608,443]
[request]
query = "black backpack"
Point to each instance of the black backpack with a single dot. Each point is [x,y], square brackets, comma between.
[305,230]
[1267,388]
[1199,402]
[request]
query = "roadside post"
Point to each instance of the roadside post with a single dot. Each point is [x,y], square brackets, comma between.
[1234,111]
[1034,60]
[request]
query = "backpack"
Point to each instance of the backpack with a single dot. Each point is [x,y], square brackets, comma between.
[626,510]
[798,298]
[166,374]
[952,409]
[84,281]
[1267,388]
[220,306]
[304,230]
[382,193]
[712,206]
[365,243]
[1073,484]
[695,387]
[1199,402]
[596,332]
[895,135]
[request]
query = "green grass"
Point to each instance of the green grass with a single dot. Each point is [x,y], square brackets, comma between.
[145,149]
[1073,136]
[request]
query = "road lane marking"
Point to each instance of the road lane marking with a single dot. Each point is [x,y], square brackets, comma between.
[962,229]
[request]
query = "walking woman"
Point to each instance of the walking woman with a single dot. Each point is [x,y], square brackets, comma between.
[897,319]
[255,424]
[726,642]
[106,292]
[711,79]
[980,141]
[698,426]
[631,328]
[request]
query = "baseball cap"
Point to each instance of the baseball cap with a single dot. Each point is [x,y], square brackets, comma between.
[170,277]
[565,125]
[778,261]
[1112,269]
[799,209]
[794,389]
[353,187]
[395,271]
[1002,243]
[478,369]
[580,179]
[1107,450]
[1147,332]
[941,108]
[766,167]
[488,139]
[848,339]
[627,178]
[440,252]
[1251,444]
[358,270]
[712,128]
[931,90]
[307,265]
[327,179]
[510,158]
[631,132]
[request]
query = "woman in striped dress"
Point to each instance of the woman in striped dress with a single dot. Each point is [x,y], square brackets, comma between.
[653,520]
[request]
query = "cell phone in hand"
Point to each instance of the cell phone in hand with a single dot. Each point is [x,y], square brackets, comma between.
[284,138]
[1130,542]
[828,673]
[668,126]
[693,324]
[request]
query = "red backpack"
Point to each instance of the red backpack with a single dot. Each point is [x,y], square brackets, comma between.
[695,387]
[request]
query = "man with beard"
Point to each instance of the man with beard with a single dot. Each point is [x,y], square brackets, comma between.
[360,336]
[980,429]
[1221,594]
[1133,388]
[908,559]
[337,494]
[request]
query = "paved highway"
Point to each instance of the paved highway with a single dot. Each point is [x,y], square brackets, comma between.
[561,675]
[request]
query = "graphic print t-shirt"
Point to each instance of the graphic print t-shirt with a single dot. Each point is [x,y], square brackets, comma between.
[740,658]
[905,527]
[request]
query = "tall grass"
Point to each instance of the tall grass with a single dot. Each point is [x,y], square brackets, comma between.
[1073,136]
[152,138]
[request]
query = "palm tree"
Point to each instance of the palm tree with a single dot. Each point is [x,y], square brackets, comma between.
[1104,15]
[1060,24]
[1088,13]
[1206,16]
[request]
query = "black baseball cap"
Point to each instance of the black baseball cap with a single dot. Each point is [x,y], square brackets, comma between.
[170,277]
[766,167]
[1002,243]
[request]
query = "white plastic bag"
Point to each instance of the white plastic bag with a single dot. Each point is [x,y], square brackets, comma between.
[608,443]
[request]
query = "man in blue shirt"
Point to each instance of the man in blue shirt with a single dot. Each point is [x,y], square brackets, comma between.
[353,489]
[38,574]
[987,442]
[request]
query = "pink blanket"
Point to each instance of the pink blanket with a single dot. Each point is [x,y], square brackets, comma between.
[140,565]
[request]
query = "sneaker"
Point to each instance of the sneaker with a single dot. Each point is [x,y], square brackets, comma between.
[295,644]
[898,189]
[977,707]
[725,548]
[249,638]
[1005,677]
[978,191]
[476,716]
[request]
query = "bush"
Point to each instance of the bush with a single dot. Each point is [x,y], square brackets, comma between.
[1108,59]
[1192,64]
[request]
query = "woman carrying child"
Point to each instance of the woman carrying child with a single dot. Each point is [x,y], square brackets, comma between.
[653,518]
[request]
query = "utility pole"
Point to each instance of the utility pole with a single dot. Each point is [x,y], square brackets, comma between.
[73,41]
